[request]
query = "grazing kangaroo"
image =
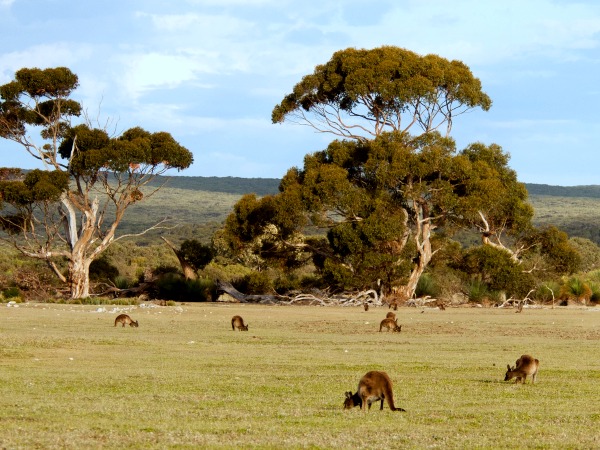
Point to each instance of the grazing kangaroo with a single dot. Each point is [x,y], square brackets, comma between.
[390,315]
[238,322]
[391,325]
[372,387]
[126,320]
[525,365]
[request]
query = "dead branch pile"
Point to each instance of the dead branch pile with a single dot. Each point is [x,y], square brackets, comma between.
[320,298]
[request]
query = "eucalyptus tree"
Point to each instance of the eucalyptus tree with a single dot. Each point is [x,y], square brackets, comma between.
[358,93]
[60,212]
[384,200]
[391,180]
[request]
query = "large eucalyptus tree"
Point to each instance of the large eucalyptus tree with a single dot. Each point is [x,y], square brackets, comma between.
[59,212]
[393,180]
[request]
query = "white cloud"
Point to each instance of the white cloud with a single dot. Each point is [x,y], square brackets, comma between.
[144,72]
[43,56]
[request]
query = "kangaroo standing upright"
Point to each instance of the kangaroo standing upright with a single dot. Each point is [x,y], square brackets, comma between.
[238,322]
[126,320]
[525,365]
[373,386]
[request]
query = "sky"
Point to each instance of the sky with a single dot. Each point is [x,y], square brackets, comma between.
[210,72]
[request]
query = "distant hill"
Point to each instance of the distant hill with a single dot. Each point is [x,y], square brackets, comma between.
[590,191]
[227,185]
[267,186]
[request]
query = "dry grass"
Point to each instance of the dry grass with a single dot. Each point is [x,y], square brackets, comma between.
[183,379]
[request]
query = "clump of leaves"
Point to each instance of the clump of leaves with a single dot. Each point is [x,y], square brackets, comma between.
[254,283]
[477,291]
[576,289]
[11,292]
[427,286]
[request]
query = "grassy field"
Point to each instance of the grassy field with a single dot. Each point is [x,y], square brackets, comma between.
[184,379]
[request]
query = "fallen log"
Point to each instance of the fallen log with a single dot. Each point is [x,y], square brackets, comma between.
[227,288]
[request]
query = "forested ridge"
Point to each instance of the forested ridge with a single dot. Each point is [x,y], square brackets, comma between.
[228,185]
[589,191]
[200,200]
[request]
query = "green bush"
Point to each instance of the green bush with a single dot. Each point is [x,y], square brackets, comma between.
[103,270]
[576,289]
[595,297]
[311,281]
[286,283]
[254,283]
[173,286]
[427,286]
[11,292]
[477,291]
[545,291]
[122,282]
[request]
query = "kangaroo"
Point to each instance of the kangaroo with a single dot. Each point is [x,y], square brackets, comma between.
[525,365]
[126,320]
[238,322]
[390,324]
[390,315]
[366,306]
[372,387]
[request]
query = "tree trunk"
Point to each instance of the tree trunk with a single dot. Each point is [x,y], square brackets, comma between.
[79,277]
[188,271]
[422,238]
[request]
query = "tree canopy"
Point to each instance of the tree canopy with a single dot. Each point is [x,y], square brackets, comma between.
[381,203]
[360,93]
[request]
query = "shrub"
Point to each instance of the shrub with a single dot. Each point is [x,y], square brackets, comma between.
[547,292]
[595,297]
[254,283]
[173,286]
[477,291]
[427,286]
[11,292]
[102,269]
[122,282]
[576,289]
[286,283]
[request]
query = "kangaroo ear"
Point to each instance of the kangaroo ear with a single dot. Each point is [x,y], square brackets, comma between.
[349,394]
[508,366]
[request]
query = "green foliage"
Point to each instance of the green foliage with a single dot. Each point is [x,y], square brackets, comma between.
[173,286]
[35,186]
[595,295]
[576,289]
[104,301]
[588,251]
[557,250]
[254,283]
[195,253]
[97,151]
[103,270]
[381,86]
[547,291]
[11,292]
[427,286]
[122,282]
[495,269]
[477,291]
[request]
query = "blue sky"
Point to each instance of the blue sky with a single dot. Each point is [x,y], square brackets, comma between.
[211,71]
